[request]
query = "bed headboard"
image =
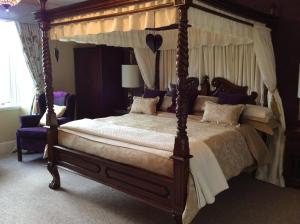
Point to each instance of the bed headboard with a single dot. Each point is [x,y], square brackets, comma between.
[223,85]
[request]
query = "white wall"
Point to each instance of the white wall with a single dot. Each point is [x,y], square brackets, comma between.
[9,123]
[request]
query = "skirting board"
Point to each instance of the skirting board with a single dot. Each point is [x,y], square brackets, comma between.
[7,147]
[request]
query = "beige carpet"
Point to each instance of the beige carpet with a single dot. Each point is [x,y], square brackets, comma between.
[26,198]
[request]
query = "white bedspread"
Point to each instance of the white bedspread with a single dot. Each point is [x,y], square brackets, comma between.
[207,174]
[144,132]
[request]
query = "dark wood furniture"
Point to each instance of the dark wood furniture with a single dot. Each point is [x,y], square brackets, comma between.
[163,192]
[98,81]
[292,158]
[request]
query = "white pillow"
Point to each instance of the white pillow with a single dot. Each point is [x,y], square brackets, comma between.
[200,101]
[167,102]
[142,105]
[257,113]
[224,114]
[58,110]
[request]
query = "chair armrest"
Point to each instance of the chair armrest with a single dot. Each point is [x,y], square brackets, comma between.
[63,120]
[30,121]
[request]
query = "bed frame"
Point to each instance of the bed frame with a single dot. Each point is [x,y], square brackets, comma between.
[163,192]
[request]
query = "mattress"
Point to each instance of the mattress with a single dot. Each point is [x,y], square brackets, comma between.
[229,144]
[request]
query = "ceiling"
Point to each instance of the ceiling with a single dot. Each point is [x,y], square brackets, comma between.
[23,12]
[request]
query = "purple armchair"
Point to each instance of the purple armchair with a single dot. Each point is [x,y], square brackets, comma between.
[33,137]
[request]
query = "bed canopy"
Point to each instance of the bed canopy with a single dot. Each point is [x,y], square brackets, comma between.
[189,28]
[219,42]
[128,25]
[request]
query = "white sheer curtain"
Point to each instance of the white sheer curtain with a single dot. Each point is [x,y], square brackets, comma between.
[266,61]
[146,62]
[16,85]
[236,63]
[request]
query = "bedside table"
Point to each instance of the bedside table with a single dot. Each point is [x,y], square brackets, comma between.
[292,158]
[120,112]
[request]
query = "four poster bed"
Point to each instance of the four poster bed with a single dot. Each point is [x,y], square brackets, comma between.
[163,179]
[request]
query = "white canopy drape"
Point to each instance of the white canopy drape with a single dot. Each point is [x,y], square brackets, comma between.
[210,40]
[266,60]
[237,63]
[146,63]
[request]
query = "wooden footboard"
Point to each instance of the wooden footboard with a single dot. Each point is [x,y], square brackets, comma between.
[154,189]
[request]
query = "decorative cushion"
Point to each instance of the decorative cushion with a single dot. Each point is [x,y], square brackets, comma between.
[59,97]
[154,93]
[199,104]
[225,114]
[167,102]
[232,99]
[144,105]
[58,110]
[257,113]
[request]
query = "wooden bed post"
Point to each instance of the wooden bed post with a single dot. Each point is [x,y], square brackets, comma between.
[181,154]
[51,116]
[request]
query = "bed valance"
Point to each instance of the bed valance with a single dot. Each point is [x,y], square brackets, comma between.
[128,30]
[158,13]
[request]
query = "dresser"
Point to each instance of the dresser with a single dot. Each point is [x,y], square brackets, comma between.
[292,158]
[98,80]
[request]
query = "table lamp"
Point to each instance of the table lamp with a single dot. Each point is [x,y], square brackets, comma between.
[131,79]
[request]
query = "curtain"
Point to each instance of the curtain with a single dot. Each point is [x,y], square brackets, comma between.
[31,40]
[146,62]
[236,63]
[266,61]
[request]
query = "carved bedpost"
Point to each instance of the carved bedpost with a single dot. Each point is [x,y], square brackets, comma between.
[181,154]
[51,116]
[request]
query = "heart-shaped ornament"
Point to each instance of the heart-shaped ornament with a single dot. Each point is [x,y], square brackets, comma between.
[154,42]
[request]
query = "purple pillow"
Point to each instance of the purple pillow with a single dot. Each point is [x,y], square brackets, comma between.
[232,98]
[154,93]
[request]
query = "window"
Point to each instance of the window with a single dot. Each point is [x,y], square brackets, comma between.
[16,85]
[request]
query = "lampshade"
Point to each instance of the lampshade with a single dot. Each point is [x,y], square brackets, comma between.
[131,77]
[8,3]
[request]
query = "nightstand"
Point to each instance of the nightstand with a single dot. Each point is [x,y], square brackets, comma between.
[292,158]
[120,112]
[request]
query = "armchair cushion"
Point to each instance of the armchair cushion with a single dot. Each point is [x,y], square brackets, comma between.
[36,132]
[58,110]
[30,121]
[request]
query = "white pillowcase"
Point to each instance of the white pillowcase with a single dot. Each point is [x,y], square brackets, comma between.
[142,105]
[199,105]
[224,114]
[58,110]
[257,113]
